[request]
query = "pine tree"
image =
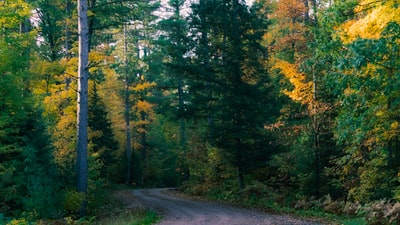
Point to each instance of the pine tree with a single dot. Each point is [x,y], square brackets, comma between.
[102,144]
[236,81]
[28,181]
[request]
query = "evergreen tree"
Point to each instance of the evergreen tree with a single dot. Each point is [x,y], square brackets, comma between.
[102,145]
[238,97]
[27,174]
[176,44]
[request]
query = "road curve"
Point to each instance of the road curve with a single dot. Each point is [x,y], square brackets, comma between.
[179,211]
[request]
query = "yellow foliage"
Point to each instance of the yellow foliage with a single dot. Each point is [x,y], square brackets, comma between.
[395,125]
[46,74]
[375,15]
[18,222]
[147,107]
[12,12]
[303,90]
[143,86]
[90,13]
[72,67]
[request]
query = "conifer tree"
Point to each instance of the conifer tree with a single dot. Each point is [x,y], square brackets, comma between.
[237,95]
[27,174]
[102,144]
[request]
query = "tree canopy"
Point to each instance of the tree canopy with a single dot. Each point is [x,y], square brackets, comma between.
[292,102]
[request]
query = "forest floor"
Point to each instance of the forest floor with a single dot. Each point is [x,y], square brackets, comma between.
[178,210]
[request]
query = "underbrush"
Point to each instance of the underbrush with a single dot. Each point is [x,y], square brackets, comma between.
[118,208]
[141,217]
[325,209]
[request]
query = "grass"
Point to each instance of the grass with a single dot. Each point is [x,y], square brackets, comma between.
[124,210]
[328,218]
[141,217]
[316,214]
[270,205]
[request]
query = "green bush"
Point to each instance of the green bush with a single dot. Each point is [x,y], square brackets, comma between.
[73,201]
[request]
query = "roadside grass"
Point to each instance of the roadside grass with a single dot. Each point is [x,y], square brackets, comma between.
[124,209]
[314,214]
[141,217]
[275,203]
[119,207]
[327,218]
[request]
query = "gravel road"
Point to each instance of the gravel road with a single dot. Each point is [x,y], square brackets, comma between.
[180,211]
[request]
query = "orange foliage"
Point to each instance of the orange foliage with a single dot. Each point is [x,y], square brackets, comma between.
[144,106]
[289,33]
[303,90]
[292,9]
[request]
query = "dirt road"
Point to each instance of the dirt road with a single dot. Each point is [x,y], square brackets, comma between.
[179,211]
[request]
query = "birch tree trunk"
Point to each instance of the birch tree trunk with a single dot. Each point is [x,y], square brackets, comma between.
[82,113]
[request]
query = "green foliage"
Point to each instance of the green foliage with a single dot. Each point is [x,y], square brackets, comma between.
[140,217]
[207,105]
[102,143]
[73,201]
[369,97]
[150,217]
[18,222]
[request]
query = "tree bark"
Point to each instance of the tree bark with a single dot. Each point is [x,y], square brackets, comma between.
[182,124]
[82,112]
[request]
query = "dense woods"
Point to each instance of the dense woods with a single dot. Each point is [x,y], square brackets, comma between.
[275,102]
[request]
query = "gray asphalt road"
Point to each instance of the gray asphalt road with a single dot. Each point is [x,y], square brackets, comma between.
[179,211]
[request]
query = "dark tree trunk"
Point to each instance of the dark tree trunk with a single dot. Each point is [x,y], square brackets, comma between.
[240,173]
[128,141]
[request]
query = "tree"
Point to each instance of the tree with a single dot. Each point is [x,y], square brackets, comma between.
[54,18]
[133,69]
[102,143]
[295,45]
[369,96]
[28,178]
[176,41]
[235,86]
[82,112]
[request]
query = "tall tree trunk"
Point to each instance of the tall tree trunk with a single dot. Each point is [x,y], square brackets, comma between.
[128,140]
[205,49]
[143,142]
[316,134]
[82,113]
[182,124]
[67,31]
[237,74]
[239,166]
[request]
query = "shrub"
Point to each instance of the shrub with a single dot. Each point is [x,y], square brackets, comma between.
[72,201]
[332,206]
[382,212]
[18,222]
[351,208]
[257,189]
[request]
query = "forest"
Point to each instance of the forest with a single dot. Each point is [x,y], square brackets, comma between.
[277,103]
